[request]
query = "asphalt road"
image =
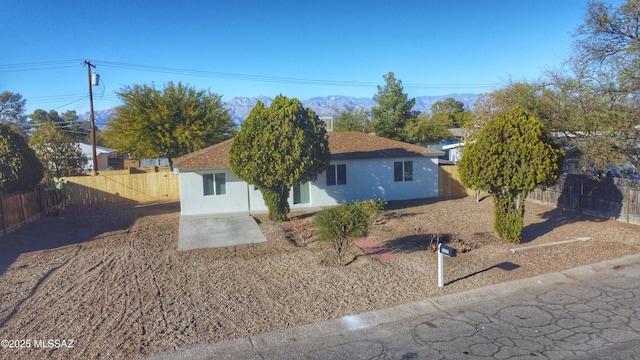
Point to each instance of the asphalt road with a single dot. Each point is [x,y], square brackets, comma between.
[591,312]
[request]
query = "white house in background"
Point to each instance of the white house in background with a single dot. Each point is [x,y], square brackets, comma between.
[101,152]
[362,167]
[453,152]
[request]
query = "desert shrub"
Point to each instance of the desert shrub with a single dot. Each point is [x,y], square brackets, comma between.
[301,231]
[372,209]
[462,246]
[340,225]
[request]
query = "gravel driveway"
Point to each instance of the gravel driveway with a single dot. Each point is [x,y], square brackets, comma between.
[111,279]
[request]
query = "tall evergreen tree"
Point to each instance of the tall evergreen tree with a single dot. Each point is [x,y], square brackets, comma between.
[512,155]
[12,109]
[394,112]
[279,147]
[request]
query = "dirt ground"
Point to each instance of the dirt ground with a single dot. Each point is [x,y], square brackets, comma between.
[110,277]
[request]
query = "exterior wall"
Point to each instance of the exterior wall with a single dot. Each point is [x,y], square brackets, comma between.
[366,179]
[194,202]
[373,179]
[257,201]
[103,161]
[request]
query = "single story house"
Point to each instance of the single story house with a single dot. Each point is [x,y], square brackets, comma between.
[362,167]
[102,154]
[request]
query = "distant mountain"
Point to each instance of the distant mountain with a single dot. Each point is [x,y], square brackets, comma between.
[100,117]
[239,107]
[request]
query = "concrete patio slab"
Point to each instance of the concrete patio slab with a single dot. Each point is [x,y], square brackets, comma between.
[207,231]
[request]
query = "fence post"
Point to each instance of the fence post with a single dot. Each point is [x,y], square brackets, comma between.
[2,226]
[24,211]
[627,199]
[581,195]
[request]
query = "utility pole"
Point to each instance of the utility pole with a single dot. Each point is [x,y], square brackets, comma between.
[93,125]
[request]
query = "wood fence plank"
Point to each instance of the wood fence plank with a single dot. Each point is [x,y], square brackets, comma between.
[116,187]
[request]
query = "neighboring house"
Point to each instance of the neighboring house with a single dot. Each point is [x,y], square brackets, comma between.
[362,167]
[101,152]
[453,153]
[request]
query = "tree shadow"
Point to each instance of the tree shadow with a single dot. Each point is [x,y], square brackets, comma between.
[415,242]
[553,219]
[576,198]
[77,224]
[404,204]
[506,266]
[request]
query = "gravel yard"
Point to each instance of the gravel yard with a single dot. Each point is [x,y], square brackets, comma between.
[110,277]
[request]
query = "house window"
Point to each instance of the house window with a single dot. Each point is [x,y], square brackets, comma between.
[403,171]
[214,184]
[337,174]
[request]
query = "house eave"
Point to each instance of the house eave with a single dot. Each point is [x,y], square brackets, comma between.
[201,170]
[369,156]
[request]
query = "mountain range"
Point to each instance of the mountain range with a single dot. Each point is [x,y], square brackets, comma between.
[239,107]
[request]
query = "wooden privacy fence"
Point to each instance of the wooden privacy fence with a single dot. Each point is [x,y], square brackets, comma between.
[132,185]
[610,198]
[449,184]
[18,209]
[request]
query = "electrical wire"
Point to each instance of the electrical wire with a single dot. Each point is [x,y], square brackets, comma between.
[73,102]
[47,65]
[260,78]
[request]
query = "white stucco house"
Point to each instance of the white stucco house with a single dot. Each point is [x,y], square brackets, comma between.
[362,167]
[102,154]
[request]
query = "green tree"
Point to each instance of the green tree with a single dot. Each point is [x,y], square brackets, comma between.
[463,119]
[429,129]
[487,106]
[167,123]
[279,147]
[450,107]
[12,109]
[68,121]
[599,127]
[594,101]
[352,119]
[20,169]
[512,155]
[58,152]
[394,112]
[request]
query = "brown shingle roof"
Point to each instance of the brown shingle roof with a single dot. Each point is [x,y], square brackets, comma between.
[357,145]
[343,145]
[212,157]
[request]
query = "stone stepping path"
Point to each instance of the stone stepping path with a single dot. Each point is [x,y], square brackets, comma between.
[373,249]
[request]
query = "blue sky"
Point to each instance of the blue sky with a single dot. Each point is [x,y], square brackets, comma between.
[298,48]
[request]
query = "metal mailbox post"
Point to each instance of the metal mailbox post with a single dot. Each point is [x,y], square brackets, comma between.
[444,250]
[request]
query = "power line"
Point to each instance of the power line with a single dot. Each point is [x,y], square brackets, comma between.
[73,98]
[45,65]
[260,78]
